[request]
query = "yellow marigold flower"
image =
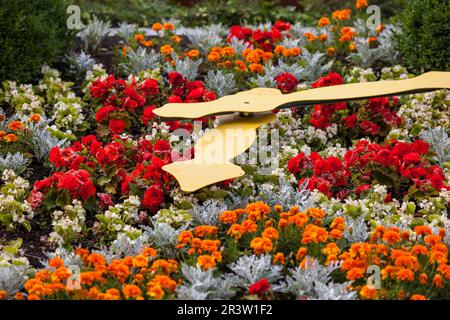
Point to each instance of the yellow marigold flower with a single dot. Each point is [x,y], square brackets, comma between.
[361,4]
[131,291]
[206,262]
[368,293]
[139,37]
[176,39]
[168,26]
[10,137]
[323,22]
[192,53]
[15,125]
[157,26]
[261,245]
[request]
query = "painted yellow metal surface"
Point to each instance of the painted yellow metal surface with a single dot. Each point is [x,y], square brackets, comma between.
[266,99]
[215,150]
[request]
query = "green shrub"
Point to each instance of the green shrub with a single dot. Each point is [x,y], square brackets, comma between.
[425,35]
[32,33]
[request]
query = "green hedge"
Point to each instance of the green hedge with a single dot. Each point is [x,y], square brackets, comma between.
[425,38]
[32,33]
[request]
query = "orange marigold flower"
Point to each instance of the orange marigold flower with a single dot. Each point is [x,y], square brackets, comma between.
[131,291]
[361,4]
[228,217]
[192,53]
[119,270]
[168,26]
[392,237]
[336,234]
[352,46]
[210,245]
[149,252]
[323,37]
[155,292]
[371,40]
[300,219]
[15,125]
[432,240]
[10,137]
[423,278]
[112,294]
[437,281]
[33,297]
[96,259]
[164,266]
[56,262]
[18,296]
[301,253]
[270,233]
[139,37]
[438,257]
[278,208]
[294,51]
[315,213]
[282,223]
[248,226]
[2,134]
[256,68]
[147,43]
[279,50]
[311,37]
[261,245]
[323,22]
[202,231]
[163,281]
[331,248]
[214,56]
[278,258]
[206,262]
[368,293]
[341,15]
[228,52]
[380,28]
[176,39]
[405,275]
[240,65]
[166,49]
[157,26]
[3,295]
[355,273]
[331,51]
[419,249]
[140,261]
[314,234]
[184,238]
[35,118]
[422,230]
[257,210]
[338,223]
[235,231]
[418,297]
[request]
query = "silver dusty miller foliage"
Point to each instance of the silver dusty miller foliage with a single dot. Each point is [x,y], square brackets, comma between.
[202,284]
[439,142]
[140,60]
[205,38]
[208,212]
[80,63]
[187,67]
[251,269]
[271,71]
[16,162]
[313,65]
[314,281]
[286,195]
[221,83]
[357,229]
[42,140]
[93,34]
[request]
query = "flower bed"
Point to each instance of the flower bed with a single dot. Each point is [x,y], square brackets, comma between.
[359,186]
